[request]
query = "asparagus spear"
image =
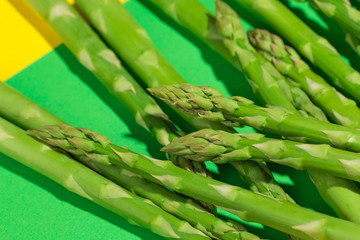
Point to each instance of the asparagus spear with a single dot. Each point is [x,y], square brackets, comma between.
[103,63]
[79,179]
[342,12]
[314,47]
[353,41]
[266,81]
[340,109]
[209,103]
[279,214]
[139,52]
[222,147]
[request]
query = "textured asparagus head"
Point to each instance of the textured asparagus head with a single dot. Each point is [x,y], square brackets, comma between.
[228,23]
[272,47]
[79,142]
[203,101]
[208,145]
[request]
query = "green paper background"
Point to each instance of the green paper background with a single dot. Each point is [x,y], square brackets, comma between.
[33,207]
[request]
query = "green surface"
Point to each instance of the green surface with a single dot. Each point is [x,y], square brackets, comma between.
[36,208]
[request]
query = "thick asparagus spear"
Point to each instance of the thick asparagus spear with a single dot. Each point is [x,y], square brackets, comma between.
[314,47]
[81,180]
[112,20]
[340,109]
[222,147]
[101,61]
[279,214]
[209,103]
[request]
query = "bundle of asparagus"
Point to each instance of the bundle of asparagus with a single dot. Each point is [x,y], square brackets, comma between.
[303,223]
[275,71]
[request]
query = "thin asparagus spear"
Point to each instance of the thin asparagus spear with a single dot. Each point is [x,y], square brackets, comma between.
[131,42]
[180,207]
[81,180]
[345,15]
[279,214]
[340,109]
[222,147]
[314,47]
[341,11]
[209,103]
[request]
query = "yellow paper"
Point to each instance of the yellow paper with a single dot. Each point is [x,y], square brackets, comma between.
[25,37]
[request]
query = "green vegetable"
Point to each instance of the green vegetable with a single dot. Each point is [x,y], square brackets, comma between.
[340,109]
[81,180]
[131,42]
[103,63]
[133,45]
[222,147]
[258,70]
[314,47]
[195,17]
[353,41]
[279,214]
[343,13]
[167,200]
[210,104]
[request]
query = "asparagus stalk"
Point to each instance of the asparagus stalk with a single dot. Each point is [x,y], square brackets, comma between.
[353,41]
[314,47]
[279,214]
[103,63]
[209,103]
[266,81]
[79,179]
[131,42]
[342,12]
[340,109]
[259,73]
[137,50]
[222,147]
